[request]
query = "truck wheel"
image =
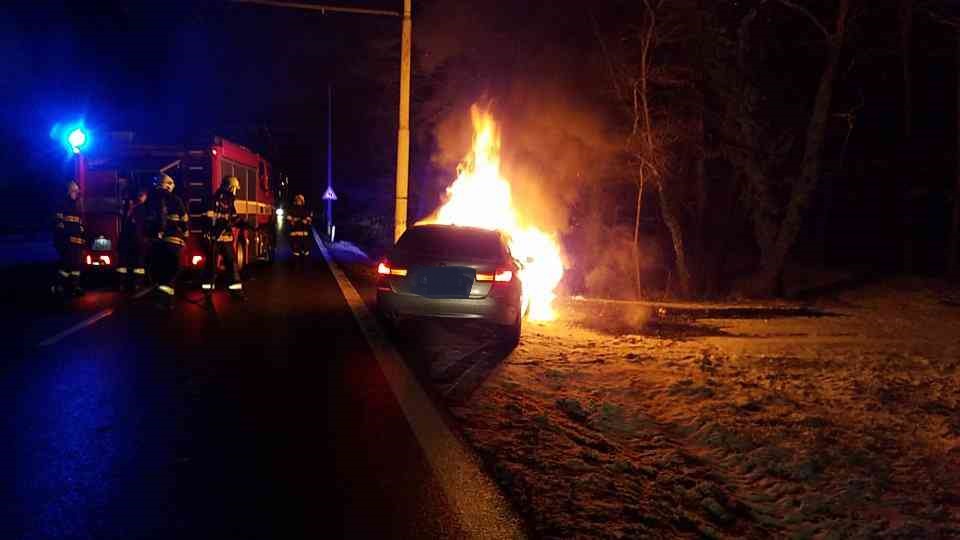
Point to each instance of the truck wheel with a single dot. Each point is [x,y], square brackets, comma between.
[241,256]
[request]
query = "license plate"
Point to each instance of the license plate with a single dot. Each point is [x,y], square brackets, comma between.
[445,282]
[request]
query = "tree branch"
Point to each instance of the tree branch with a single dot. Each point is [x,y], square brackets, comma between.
[606,56]
[943,19]
[807,14]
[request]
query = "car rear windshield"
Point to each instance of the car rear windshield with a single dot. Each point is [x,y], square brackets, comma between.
[451,242]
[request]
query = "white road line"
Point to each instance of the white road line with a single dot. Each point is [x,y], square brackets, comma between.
[89,321]
[480,509]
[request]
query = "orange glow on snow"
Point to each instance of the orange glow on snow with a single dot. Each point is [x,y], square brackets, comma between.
[481,197]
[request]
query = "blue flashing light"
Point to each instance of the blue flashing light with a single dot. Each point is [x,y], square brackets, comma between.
[77,138]
[74,136]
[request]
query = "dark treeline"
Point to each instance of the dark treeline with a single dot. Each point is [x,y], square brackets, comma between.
[706,148]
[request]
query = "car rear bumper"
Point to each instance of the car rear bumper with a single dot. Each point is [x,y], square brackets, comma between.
[496,309]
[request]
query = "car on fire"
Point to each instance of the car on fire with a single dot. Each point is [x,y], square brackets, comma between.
[450,271]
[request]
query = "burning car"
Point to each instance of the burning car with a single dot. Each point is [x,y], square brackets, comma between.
[454,272]
[481,197]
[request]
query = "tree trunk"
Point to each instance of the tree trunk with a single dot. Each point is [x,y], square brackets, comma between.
[667,212]
[675,227]
[774,259]
[906,29]
[906,32]
[953,264]
[636,236]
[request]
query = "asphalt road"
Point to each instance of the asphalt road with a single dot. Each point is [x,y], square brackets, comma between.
[263,419]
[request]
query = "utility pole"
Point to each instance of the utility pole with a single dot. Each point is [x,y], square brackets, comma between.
[403,126]
[403,131]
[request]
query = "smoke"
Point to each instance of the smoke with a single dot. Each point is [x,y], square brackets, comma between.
[549,93]
[552,148]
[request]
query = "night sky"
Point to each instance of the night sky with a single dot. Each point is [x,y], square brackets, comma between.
[172,71]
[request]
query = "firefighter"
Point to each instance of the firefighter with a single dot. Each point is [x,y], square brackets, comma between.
[133,241]
[166,225]
[298,220]
[221,219]
[68,239]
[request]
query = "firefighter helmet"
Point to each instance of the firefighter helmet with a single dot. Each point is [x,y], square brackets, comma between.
[230,183]
[298,200]
[165,183]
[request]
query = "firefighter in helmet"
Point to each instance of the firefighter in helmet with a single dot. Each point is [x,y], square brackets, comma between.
[221,220]
[69,240]
[167,226]
[133,240]
[298,229]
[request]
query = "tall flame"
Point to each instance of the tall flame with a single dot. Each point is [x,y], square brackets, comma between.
[481,197]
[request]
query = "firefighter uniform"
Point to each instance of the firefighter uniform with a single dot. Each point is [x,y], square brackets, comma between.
[221,219]
[133,242]
[298,222]
[68,239]
[167,225]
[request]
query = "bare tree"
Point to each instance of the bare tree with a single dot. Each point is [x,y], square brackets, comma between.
[944,12]
[905,16]
[777,230]
[657,131]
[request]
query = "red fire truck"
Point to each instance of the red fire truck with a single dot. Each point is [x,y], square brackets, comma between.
[118,168]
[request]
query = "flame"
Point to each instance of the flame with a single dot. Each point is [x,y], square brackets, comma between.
[481,197]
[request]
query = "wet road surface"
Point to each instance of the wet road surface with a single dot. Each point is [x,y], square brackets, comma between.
[262,419]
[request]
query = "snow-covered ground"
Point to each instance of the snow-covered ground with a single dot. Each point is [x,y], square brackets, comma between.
[628,420]
[649,420]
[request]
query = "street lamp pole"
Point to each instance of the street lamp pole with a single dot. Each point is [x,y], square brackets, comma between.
[403,126]
[329,162]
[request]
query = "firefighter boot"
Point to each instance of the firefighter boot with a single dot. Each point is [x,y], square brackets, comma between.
[236,291]
[165,297]
[207,289]
[74,285]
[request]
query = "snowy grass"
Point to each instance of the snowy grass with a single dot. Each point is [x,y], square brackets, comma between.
[625,421]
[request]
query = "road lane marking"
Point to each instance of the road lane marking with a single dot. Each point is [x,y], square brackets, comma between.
[89,321]
[479,507]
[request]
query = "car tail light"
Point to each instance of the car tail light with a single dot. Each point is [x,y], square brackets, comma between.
[197,259]
[500,276]
[384,270]
[89,259]
[105,259]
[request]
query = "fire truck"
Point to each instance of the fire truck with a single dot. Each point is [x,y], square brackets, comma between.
[119,168]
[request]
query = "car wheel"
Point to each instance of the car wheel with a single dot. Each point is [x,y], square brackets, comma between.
[511,333]
[388,323]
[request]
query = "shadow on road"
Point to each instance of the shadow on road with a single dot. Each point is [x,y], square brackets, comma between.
[455,357]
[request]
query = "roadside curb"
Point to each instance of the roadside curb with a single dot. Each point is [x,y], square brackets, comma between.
[480,508]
